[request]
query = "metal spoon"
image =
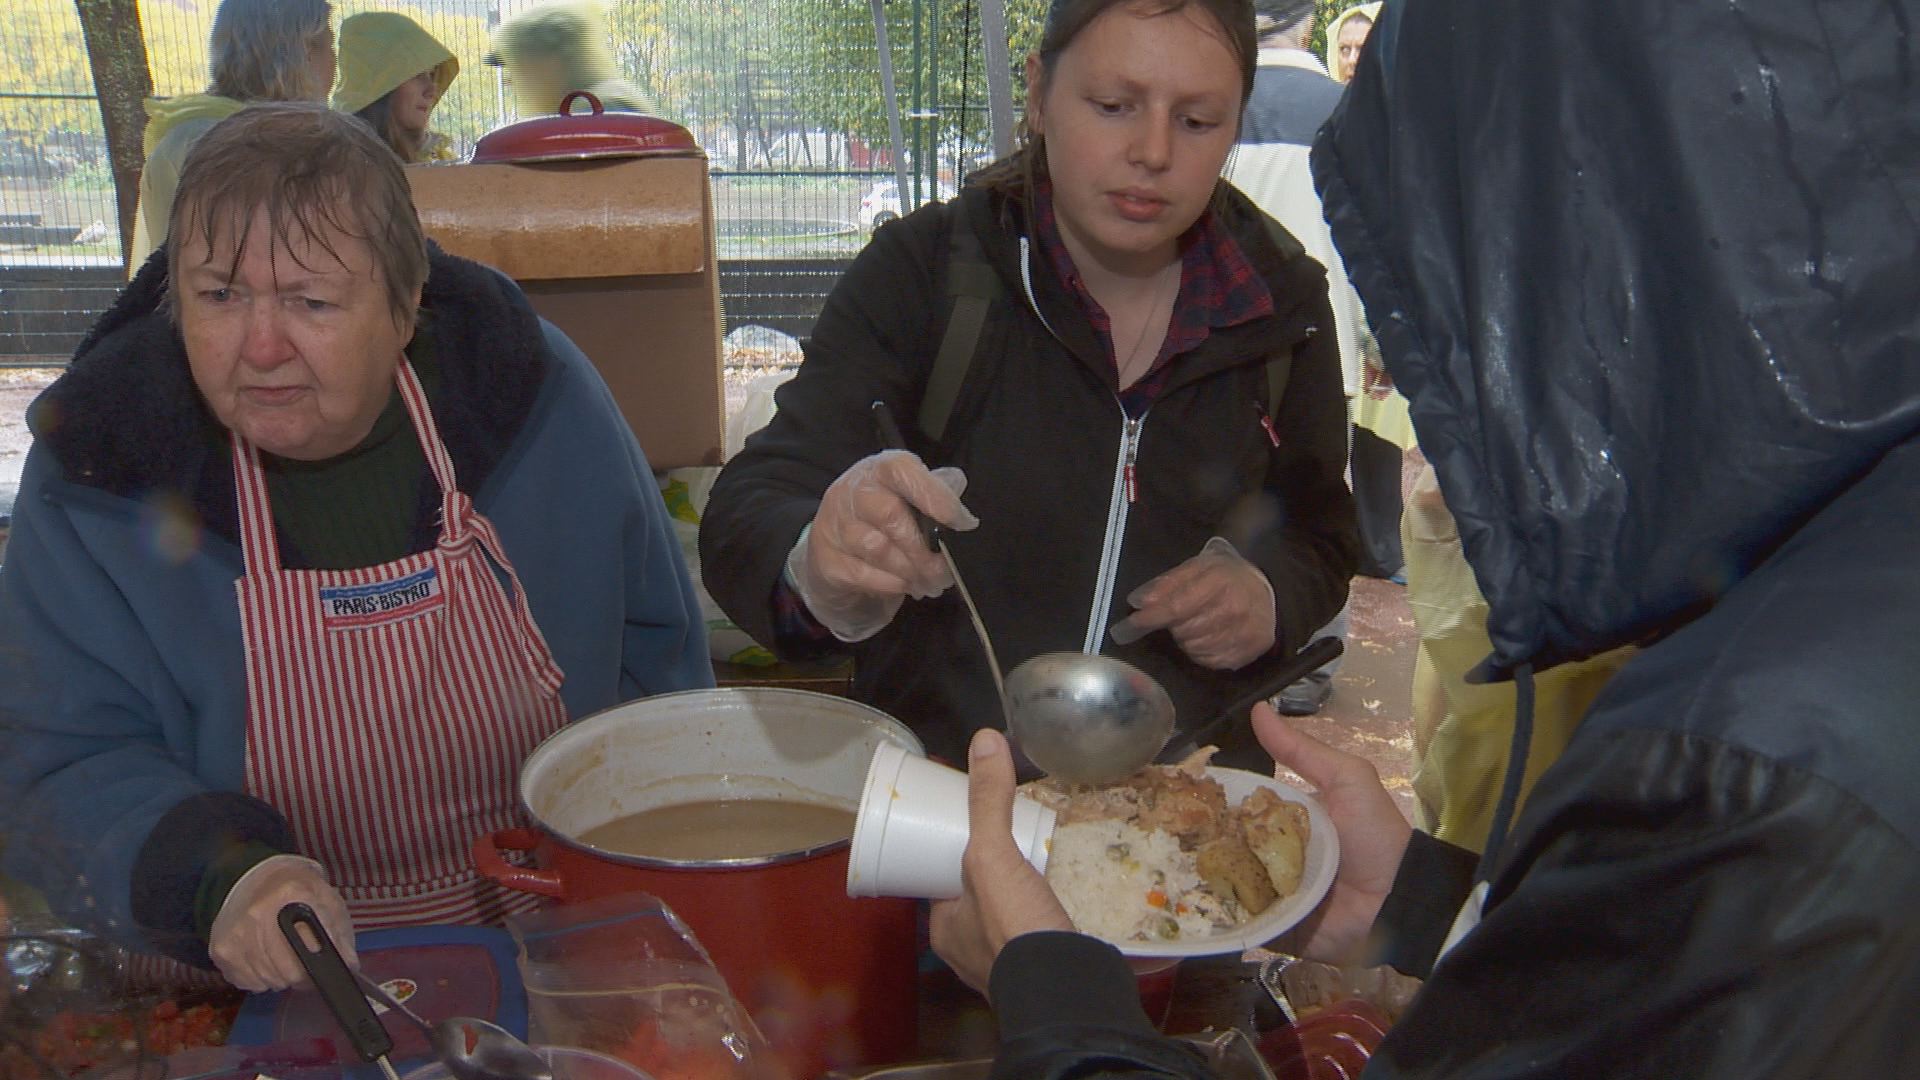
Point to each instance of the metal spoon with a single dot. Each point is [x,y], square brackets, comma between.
[470,1048]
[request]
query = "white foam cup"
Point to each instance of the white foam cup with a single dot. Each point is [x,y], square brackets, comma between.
[911,829]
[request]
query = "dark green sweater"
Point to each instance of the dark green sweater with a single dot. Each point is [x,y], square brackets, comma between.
[362,507]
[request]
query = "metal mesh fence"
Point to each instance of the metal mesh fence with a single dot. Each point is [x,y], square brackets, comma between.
[56,192]
[785,95]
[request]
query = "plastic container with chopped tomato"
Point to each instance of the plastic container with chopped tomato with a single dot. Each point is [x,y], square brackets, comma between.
[74,1042]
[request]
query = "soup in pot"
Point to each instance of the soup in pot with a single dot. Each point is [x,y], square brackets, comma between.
[722,829]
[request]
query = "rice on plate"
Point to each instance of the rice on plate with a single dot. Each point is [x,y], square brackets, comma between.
[1187,860]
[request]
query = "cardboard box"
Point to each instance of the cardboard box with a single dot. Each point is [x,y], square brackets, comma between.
[619,254]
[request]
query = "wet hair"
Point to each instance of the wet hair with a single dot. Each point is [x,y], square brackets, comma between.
[258,49]
[1021,170]
[404,141]
[315,170]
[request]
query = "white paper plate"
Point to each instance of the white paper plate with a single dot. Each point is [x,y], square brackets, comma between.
[1322,859]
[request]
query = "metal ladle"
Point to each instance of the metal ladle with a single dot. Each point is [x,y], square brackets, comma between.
[1086,718]
[936,536]
[470,1049]
[1083,717]
[1093,719]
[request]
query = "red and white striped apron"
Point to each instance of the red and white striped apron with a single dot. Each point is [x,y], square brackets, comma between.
[389,709]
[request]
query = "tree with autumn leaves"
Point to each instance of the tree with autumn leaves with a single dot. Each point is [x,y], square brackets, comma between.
[97,61]
[745,68]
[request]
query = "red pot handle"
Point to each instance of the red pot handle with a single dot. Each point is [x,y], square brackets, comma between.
[566,103]
[495,868]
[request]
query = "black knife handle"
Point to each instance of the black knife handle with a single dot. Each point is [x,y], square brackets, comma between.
[337,986]
[890,439]
[1303,663]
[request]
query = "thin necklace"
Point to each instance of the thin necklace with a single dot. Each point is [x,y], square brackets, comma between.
[1169,274]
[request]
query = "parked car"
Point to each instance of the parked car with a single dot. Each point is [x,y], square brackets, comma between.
[881,203]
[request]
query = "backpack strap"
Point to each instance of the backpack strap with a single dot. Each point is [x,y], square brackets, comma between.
[971,288]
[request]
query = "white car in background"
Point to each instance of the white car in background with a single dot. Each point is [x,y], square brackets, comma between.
[881,203]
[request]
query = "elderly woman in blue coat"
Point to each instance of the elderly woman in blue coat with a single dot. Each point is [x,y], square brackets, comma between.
[320,534]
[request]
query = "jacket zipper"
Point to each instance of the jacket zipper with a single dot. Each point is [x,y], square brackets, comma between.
[1273,433]
[1125,491]
[1125,483]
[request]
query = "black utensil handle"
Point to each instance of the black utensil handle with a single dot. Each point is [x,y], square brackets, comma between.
[890,439]
[1304,662]
[337,986]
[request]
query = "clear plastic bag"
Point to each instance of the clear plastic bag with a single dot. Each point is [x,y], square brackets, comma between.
[1304,987]
[624,976]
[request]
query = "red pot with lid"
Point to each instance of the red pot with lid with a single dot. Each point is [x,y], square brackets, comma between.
[830,980]
[575,136]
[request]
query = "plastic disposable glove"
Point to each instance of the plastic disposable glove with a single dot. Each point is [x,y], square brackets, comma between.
[1218,605]
[1373,839]
[864,554]
[246,942]
[1002,896]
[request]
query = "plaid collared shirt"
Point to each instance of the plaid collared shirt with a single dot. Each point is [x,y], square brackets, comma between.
[1218,288]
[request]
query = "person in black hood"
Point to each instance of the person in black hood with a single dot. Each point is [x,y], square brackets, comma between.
[1645,272]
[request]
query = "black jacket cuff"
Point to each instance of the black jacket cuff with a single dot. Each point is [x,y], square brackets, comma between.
[1069,1009]
[1061,977]
[221,877]
[191,840]
[1433,881]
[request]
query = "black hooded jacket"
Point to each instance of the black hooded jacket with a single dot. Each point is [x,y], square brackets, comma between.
[1646,272]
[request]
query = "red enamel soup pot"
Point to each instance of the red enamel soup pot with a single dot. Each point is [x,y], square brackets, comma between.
[830,980]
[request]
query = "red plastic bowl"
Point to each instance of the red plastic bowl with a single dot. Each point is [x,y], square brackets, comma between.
[570,136]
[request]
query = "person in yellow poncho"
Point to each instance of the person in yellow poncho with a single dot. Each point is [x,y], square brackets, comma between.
[260,50]
[392,74]
[553,50]
[1462,732]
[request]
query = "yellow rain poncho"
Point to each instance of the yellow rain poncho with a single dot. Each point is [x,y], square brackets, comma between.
[173,126]
[379,50]
[551,50]
[1462,733]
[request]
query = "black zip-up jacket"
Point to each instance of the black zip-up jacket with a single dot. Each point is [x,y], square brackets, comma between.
[1038,430]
